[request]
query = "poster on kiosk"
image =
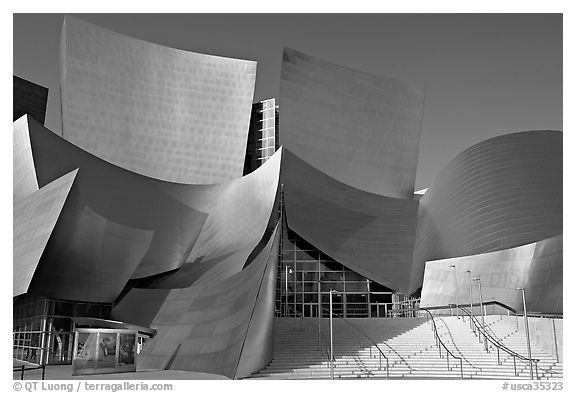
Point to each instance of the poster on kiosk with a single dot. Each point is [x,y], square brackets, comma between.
[104,351]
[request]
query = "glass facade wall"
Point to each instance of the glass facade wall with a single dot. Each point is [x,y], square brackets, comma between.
[267,133]
[306,276]
[43,331]
[263,135]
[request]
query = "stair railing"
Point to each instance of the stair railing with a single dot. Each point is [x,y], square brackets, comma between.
[322,341]
[441,345]
[499,346]
[380,353]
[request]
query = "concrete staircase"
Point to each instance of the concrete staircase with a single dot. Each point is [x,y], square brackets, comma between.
[407,343]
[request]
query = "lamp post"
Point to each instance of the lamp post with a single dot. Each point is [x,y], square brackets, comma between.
[455,291]
[286,291]
[471,302]
[482,311]
[527,331]
[331,337]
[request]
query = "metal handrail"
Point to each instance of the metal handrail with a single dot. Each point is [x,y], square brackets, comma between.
[439,342]
[381,354]
[499,346]
[21,369]
[322,341]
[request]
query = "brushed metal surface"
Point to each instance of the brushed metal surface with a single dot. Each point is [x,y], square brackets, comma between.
[161,112]
[224,327]
[24,174]
[360,129]
[371,234]
[537,267]
[498,194]
[118,225]
[35,217]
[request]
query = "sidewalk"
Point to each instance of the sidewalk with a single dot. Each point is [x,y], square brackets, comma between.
[65,372]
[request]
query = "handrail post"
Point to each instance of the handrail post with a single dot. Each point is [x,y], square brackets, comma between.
[387,369]
[22,373]
[498,351]
[43,371]
[447,360]
[515,373]
[461,370]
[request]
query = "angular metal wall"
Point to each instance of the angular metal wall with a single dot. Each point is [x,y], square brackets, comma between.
[24,173]
[225,327]
[368,233]
[498,194]
[537,267]
[117,225]
[35,217]
[360,129]
[162,112]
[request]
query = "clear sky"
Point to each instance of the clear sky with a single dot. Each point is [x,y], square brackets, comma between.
[486,74]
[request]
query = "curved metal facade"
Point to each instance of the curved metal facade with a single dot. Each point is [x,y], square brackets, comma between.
[117,225]
[225,327]
[368,233]
[165,113]
[537,267]
[498,194]
[360,129]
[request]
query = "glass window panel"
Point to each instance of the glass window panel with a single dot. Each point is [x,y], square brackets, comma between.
[356,298]
[380,298]
[64,308]
[87,310]
[327,286]
[268,122]
[36,324]
[39,307]
[311,298]
[353,276]
[51,307]
[310,287]
[126,349]
[310,276]
[332,276]
[307,266]
[356,310]
[375,287]
[326,266]
[356,286]
[61,324]
[305,255]
[268,133]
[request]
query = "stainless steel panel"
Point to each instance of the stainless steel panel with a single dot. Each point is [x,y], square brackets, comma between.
[498,194]
[161,112]
[369,233]
[118,225]
[537,267]
[224,327]
[360,129]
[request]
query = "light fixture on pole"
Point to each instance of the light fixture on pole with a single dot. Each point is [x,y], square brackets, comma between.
[331,337]
[288,270]
[482,311]
[471,302]
[527,331]
[455,291]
